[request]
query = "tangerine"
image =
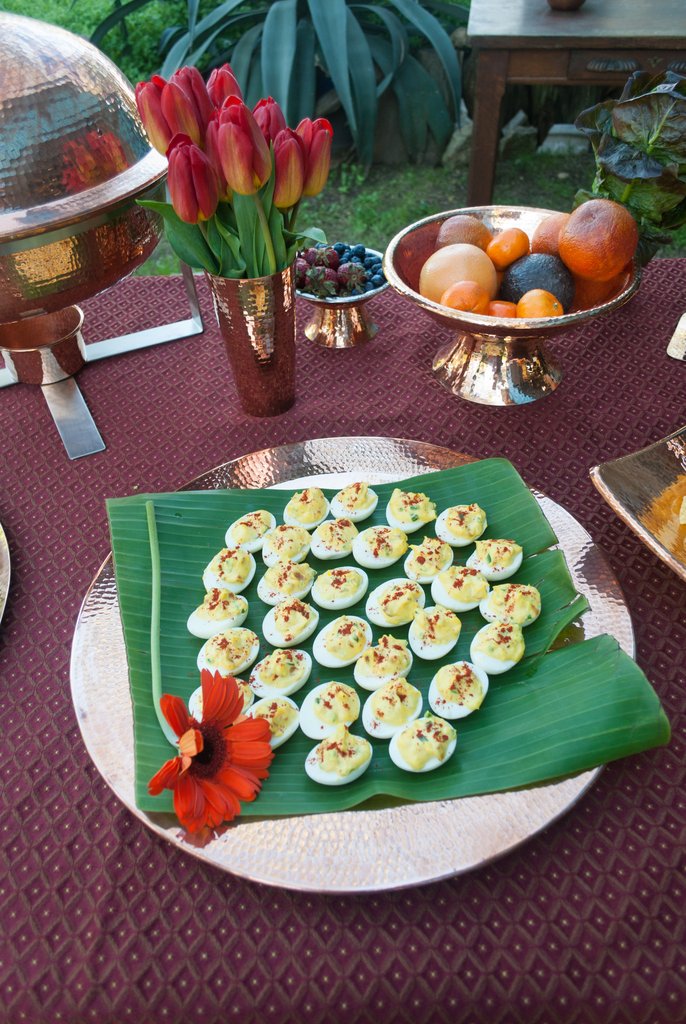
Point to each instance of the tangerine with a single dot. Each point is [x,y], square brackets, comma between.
[459,262]
[469,296]
[508,246]
[463,228]
[546,237]
[599,239]
[501,308]
[539,303]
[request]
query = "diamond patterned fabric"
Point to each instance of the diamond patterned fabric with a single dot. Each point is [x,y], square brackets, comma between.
[103,921]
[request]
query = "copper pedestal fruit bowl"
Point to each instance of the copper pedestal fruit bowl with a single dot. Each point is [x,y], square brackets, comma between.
[341,321]
[489,360]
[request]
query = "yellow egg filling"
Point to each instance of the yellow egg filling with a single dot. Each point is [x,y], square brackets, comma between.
[307,506]
[459,684]
[231,564]
[386,542]
[515,603]
[251,527]
[464,584]
[355,497]
[395,702]
[438,626]
[289,577]
[286,541]
[291,619]
[389,657]
[425,739]
[282,667]
[429,557]
[226,651]
[400,601]
[497,552]
[465,522]
[337,703]
[337,535]
[341,753]
[411,507]
[346,639]
[503,641]
[335,584]
[220,604]
[278,714]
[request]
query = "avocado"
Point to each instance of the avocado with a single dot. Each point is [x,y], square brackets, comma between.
[539,270]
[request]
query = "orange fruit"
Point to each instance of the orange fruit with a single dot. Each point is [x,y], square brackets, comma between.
[466,295]
[459,262]
[588,294]
[508,246]
[546,237]
[463,228]
[501,308]
[599,239]
[539,303]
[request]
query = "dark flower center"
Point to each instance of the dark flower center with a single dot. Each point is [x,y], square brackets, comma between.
[210,760]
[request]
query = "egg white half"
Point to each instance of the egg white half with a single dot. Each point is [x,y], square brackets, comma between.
[381,730]
[249,545]
[338,604]
[211,579]
[374,611]
[265,689]
[229,633]
[452,709]
[445,534]
[329,660]
[364,556]
[315,772]
[492,666]
[430,766]
[271,596]
[448,599]
[278,741]
[205,628]
[369,682]
[341,511]
[272,635]
[492,570]
[313,726]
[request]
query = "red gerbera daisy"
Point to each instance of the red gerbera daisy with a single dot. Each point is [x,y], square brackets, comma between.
[221,759]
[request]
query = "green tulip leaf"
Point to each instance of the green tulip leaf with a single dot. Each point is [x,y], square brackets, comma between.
[187,240]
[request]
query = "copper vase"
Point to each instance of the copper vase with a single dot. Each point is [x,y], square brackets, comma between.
[256,317]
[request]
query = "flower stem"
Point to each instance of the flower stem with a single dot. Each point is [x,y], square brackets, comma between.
[155,602]
[264,224]
[293,216]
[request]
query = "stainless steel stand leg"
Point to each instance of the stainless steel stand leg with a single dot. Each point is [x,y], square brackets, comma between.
[72,418]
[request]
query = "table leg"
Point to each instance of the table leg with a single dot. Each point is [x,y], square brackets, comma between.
[491,75]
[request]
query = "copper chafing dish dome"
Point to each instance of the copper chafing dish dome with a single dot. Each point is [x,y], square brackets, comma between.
[74,158]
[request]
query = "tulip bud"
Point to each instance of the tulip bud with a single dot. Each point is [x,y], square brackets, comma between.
[149,103]
[221,84]
[186,105]
[269,116]
[316,138]
[289,164]
[212,151]
[192,182]
[243,151]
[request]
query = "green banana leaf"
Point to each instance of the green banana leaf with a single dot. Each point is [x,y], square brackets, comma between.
[555,714]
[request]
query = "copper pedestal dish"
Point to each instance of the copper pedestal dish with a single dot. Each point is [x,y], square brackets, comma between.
[341,321]
[74,160]
[490,360]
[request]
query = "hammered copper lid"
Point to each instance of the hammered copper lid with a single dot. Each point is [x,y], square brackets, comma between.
[72,140]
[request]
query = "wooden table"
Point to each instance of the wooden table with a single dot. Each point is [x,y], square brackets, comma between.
[525,42]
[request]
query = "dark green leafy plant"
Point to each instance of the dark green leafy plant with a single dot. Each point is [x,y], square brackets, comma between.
[639,142]
[285,48]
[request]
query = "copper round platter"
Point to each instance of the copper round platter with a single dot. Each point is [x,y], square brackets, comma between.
[385,846]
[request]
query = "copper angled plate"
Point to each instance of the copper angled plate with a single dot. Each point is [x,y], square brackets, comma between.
[382,846]
[647,490]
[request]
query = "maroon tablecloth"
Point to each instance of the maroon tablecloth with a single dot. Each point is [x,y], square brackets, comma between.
[102,921]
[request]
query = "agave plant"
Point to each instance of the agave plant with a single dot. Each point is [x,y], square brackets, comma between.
[278,48]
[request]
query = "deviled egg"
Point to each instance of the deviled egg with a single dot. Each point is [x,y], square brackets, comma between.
[427,559]
[281,673]
[356,501]
[285,579]
[231,569]
[496,559]
[326,707]
[459,588]
[340,588]
[390,708]
[229,652]
[249,531]
[342,642]
[289,623]
[409,510]
[423,745]
[512,602]
[339,759]
[382,663]
[458,689]
[219,610]
[195,699]
[460,525]
[333,539]
[282,716]
[394,603]
[497,647]
[306,508]
[379,546]
[434,632]
[286,544]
